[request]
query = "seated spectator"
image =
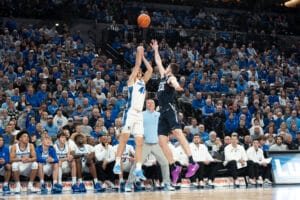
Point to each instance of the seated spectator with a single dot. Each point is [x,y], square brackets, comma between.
[193,128]
[279,145]
[203,133]
[50,127]
[231,124]
[211,143]
[291,145]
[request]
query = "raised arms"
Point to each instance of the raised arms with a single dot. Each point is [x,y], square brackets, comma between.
[149,71]
[157,58]
[138,61]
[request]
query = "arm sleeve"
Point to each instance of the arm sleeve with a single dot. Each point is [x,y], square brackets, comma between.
[39,157]
[7,156]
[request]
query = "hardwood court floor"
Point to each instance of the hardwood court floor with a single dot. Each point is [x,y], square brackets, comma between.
[271,193]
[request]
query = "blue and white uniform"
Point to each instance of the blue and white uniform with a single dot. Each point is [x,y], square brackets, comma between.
[127,153]
[4,154]
[63,153]
[86,149]
[133,117]
[42,156]
[23,168]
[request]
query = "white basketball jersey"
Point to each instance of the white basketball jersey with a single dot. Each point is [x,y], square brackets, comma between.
[61,152]
[136,95]
[45,155]
[24,153]
[86,149]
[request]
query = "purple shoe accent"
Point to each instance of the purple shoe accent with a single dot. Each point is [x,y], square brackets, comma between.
[192,169]
[175,174]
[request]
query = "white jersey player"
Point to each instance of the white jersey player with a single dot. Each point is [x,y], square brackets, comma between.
[23,159]
[133,117]
[66,162]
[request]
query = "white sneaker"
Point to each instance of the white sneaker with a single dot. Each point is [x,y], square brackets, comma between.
[17,189]
[260,180]
[168,187]
[195,184]
[33,190]
[252,181]
[267,181]
[236,182]
[110,184]
[201,184]
[210,183]
[157,185]
[128,188]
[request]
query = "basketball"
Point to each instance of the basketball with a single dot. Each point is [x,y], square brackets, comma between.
[143,20]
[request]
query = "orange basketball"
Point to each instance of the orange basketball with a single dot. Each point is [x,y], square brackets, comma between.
[143,20]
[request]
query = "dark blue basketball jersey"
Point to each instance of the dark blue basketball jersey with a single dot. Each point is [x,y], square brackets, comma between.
[165,93]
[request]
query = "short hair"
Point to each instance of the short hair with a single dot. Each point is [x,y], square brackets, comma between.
[61,134]
[175,68]
[77,136]
[22,132]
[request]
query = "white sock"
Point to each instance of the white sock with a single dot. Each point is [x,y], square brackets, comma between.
[42,181]
[95,180]
[73,180]
[30,184]
[54,182]
[18,184]
[59,175]
[5,184]
[118,161]
[121,180]
[80,180]
[138,166]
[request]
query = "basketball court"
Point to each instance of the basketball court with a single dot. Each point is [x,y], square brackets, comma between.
[264,193]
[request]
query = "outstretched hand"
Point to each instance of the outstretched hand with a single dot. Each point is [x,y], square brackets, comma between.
[154,44]
[178,88]
[140,49]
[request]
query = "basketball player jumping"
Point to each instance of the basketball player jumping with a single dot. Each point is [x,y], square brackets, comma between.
[168,120]
[133,116]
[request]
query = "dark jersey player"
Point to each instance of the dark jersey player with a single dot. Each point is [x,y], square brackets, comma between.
[168,120]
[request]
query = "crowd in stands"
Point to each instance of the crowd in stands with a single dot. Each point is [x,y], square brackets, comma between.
[50,83]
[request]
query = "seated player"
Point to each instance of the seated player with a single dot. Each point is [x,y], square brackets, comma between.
[127,160]
[23,159]
[66,162]
[5,167]
[84,156]
[48,164]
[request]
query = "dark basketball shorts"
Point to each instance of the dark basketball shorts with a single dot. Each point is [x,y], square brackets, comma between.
[168,121]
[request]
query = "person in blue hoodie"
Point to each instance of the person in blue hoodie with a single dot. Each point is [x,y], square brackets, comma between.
[5,166]
[231,124]
[47,164]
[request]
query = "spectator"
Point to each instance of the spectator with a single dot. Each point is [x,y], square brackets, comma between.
[278,145]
